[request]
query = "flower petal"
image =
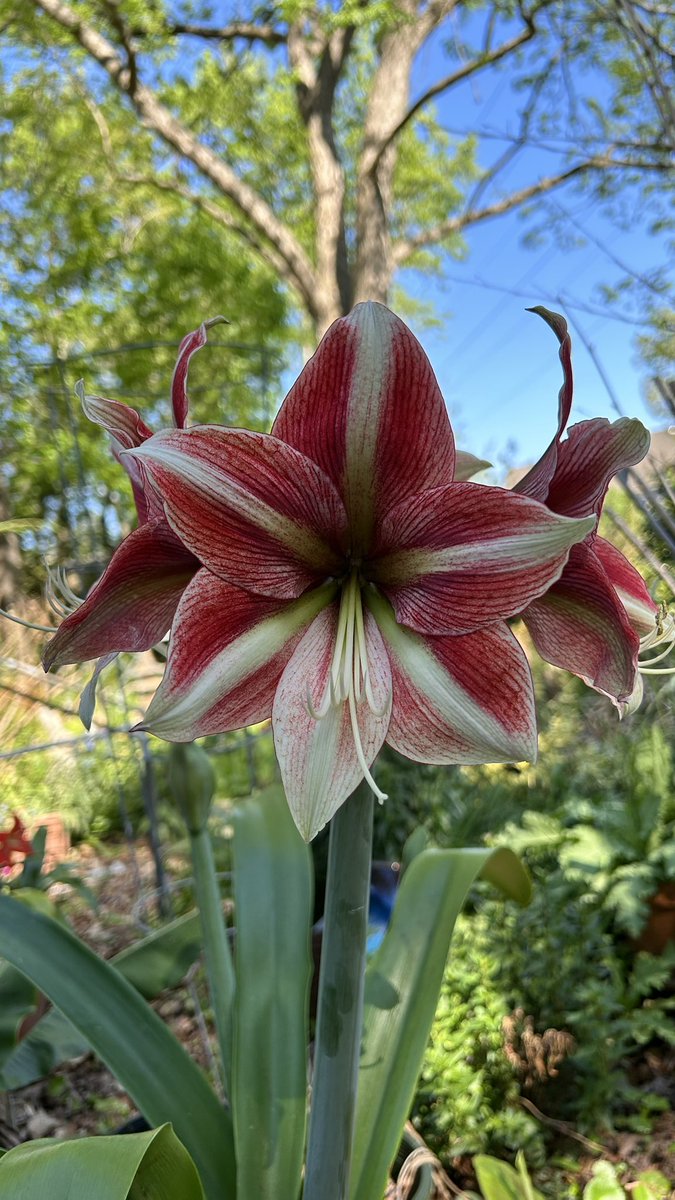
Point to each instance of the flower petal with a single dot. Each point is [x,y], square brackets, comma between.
[132,605]
[465,699]
[467,465]
[538,478]
[629,585]
[123,423]
[588,459]
[189,346]
[255,511]
[466,555]
[367,408]
[582,626]
[127,430]
[318,759]
[227,650]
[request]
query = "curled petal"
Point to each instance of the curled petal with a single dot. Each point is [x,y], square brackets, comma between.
[132,605]
[367,408]
[318,759]
[255,511]
[228,648]
[465,699]
[123,423]
[189,346]
[590,456]
[467,465]
[465,556]
[629,585]
[582,626]
[538,478]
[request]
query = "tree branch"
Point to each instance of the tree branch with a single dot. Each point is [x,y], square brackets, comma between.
[406,247]
[298,267]
[248,31]
[443,85]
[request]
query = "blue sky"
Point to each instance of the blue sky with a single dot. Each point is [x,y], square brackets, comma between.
[497,364]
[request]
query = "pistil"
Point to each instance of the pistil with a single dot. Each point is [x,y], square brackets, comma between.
[349,676]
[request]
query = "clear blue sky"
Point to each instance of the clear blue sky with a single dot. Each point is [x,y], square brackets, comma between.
[497,364]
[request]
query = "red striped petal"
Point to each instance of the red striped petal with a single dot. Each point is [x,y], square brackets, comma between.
[255,511]
[318,760]
[132,605]
[367,408]
[590,456]
[537,480]
[465,699]
[228,648]
[581,626]
[465,556]
[127,430]
[630,586]
[189,346]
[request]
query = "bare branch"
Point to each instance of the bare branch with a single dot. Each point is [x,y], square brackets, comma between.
[443,85]
[158,118]
[247,31]
[406,247]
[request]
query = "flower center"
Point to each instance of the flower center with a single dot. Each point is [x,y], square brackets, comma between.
[663,632]
[349,678]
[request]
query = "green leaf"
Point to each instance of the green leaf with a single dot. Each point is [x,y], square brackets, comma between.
[499,1181]
[17,997]
[127,1035]
[141,1166]
[651,1185]
[158,961]
[403,982]
[604,1185]
[273,913]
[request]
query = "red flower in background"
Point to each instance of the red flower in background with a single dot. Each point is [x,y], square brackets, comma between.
[14,841]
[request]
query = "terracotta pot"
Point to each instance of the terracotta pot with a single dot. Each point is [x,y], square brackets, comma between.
[660,927]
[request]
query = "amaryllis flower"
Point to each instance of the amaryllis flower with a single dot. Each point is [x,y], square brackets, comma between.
[590,620]
[349,590]
[132,605]
[14,841]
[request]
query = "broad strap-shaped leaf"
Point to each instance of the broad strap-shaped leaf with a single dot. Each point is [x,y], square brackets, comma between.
[319,763]
[127,1035]
[255,511]
[132,605]
[227,652]
[458,558]
[465,699]
[273,905]
[367,408]
[403,983]
[582,626]
[140,1166]
[152,964]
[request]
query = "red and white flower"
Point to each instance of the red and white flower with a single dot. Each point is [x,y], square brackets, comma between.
[132,605]
[351,589]
[591,619]
[14,841]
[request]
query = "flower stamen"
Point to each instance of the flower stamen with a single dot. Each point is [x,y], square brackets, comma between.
[349,677]
[663,631]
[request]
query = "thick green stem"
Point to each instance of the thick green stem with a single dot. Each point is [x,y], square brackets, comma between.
[340,1007]
[217,954]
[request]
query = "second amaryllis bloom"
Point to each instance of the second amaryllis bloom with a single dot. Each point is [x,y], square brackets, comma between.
[351,589]
[596,616]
